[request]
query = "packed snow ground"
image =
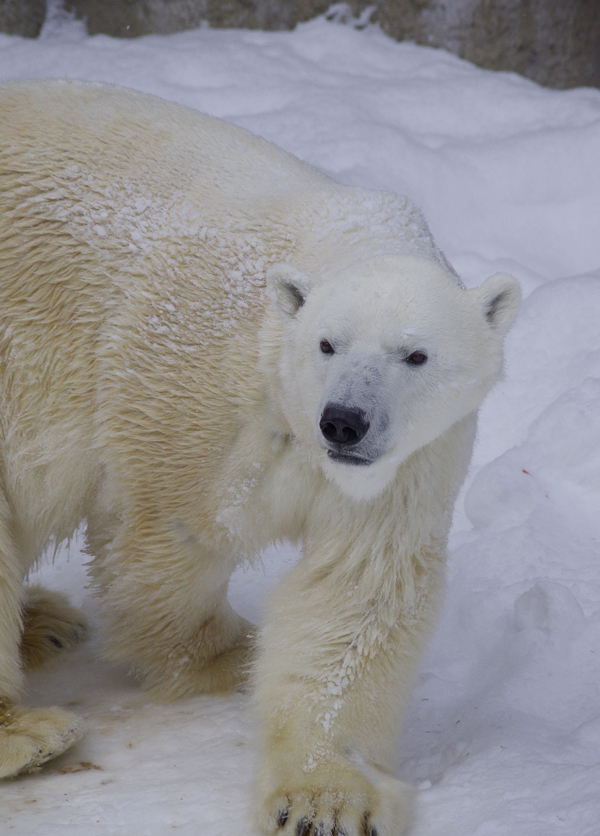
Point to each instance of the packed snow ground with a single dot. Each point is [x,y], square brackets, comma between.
[503,735]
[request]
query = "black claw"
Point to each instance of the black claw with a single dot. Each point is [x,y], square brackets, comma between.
[282,817]
[303,827]
[55,641]
[368,829]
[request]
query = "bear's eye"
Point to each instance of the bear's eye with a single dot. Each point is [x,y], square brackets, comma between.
[326,347]
[417,358]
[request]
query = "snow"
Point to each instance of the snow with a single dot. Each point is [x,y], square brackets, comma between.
[503,734]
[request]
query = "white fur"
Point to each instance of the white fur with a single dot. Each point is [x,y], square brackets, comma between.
[169,284]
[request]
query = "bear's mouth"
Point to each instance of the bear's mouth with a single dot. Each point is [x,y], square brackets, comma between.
[344,458]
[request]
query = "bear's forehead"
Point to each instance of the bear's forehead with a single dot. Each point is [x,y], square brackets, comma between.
[393,280]
[403,296]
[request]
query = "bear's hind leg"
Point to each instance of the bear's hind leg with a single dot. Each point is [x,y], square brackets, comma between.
[165,597]
[215,659]
[50,627]
[28,737]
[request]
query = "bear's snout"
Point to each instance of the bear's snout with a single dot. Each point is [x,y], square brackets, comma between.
[343,426]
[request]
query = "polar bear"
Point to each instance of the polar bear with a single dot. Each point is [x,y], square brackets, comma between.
[207,346]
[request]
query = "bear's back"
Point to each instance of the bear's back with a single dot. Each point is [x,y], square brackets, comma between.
[141,190]
[128,198]
[57,124]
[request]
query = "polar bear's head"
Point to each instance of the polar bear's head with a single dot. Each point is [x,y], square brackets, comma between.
[382,359]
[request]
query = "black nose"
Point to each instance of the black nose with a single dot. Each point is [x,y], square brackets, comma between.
[341,425]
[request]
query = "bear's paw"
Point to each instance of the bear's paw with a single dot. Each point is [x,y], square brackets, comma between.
[338,800]
[30,737]
[50,627]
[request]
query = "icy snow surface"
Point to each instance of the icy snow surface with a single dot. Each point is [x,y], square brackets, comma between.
[503,735]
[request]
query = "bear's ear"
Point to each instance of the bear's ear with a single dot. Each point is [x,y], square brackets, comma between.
[500,296]
[287,288]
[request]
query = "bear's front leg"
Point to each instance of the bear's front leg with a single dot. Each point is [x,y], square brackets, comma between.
[338,661]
